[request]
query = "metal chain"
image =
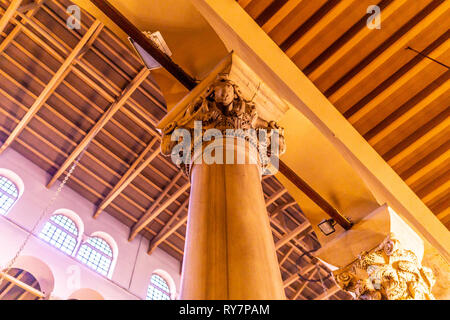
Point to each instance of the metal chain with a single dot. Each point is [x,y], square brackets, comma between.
[44,213]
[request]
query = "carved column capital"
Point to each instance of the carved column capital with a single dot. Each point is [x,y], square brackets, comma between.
[388,272]
[223,107]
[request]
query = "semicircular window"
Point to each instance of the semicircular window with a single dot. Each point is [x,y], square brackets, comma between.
[158,289]
[61,232]
[97,254]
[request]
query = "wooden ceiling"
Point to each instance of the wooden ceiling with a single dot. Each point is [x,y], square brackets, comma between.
[68,93]
[19,284]
[396,98]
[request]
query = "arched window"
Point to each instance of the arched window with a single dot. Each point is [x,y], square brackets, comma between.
[97,254]
[158,288]
[9,194]
[61,232]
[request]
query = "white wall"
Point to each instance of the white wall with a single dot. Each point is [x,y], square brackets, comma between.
[124,284]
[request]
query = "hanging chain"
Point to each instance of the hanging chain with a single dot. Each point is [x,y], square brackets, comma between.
[44,213]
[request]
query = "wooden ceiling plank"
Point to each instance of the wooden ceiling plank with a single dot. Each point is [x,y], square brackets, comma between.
[400,44]
[129,175]
[53,83]
[154,211]
[9,13]
[358,39]
[422,172]
[167,230]
[441,127]
[436,192]
[107,115]
[399,84]
[309,35]
[280,15]
[405,117]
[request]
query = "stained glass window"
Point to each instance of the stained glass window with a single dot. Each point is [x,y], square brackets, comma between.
[158,289]
[8,195]
[60,231]
[97,254]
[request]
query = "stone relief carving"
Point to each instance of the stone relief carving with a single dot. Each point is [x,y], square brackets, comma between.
[223,107]
[388,272]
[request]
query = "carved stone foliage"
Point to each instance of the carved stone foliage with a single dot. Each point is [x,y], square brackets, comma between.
[223,107]
[389,272]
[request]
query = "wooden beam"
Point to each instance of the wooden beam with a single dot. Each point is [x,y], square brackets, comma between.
[274,197]
[330,292]
[129,175]
[153,212]
[299,231]
[135,34]
[167,230]
[11,284]
[314,196]
[9,13]
[283,260]
[280,208]
[29,6]
[17,28]
[63,70]
[107,115]
[22,285]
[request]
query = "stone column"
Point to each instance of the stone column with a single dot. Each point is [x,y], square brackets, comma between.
[229,249]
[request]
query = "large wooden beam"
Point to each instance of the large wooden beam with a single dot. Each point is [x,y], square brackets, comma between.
[299,231]
[154,211]
[63,70]
[167,230]
[9,13]
[131,30]
[107,115]
[130,175]
[314,196]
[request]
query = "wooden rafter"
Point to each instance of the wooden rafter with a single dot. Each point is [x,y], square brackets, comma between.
[12,8]
[132,172]
[154,211]
[22,285]
[168,229]
[107,115]
[300,231]
[63,70]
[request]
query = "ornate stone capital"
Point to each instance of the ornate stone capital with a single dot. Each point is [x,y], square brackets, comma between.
[389,272]
[223,107]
